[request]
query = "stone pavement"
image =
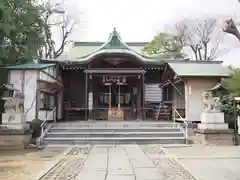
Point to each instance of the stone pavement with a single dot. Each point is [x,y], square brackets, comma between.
[207,163]
[123,162]
[145,162]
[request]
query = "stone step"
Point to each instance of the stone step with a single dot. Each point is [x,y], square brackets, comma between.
[120,129]
[116,124]
[107,132]
[114,134]
[115,140]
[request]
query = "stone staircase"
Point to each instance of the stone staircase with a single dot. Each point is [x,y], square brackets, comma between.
[107,132]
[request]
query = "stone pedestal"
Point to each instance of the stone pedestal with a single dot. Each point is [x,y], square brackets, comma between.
[14,139]
[214,137]
[15,120]
[212,121]
[213,131]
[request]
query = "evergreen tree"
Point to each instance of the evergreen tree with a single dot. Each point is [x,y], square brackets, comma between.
[21,28]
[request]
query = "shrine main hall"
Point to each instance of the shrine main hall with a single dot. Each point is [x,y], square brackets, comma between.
[115,80]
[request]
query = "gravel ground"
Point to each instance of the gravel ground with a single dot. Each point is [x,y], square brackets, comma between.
[25,164]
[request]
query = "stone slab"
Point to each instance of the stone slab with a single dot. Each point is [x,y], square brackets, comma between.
[214,131]
[91,175]
[212,126]
[148,174]
[17,118]
[219,169]
[212,117]
[120,177]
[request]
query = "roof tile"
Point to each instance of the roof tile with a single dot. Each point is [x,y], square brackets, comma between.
[200,69]
[30,66]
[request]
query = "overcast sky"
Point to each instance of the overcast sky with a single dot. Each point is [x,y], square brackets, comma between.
[140,20]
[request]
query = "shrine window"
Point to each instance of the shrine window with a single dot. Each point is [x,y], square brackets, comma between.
[104,98]
[46,101]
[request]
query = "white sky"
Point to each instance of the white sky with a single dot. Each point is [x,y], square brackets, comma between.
[140,20]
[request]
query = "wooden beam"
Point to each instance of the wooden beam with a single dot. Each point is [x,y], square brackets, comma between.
[115,71]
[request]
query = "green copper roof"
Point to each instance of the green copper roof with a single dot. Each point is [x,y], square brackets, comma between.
[83,52]
[198,68]
[98,43]
[30,66]
[113,45]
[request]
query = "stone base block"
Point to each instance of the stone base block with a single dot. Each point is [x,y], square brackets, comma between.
[22,127]
[211,126]
[214,137]
[13,118]
[14,141]
[212,117]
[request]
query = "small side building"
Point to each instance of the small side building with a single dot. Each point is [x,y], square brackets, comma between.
[41,87]
[190,79]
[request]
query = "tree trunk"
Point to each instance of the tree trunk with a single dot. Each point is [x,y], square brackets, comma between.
[199,53]
[194,50]
[205,46]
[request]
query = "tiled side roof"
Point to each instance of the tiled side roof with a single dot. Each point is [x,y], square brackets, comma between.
[195,68]
[30,66]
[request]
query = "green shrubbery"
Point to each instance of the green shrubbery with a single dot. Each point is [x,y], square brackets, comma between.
[228,110]
[35,126]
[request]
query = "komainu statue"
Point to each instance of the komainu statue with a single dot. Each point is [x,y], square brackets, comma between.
[210,103]
[16,103]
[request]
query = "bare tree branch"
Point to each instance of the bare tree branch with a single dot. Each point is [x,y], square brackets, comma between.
[65,25]
[202,36]
[231,28]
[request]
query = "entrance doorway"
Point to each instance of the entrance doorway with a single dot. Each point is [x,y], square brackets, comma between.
[116,93]
[114,88]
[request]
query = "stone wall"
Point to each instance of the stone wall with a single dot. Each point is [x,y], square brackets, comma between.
[14,141]
[209,137]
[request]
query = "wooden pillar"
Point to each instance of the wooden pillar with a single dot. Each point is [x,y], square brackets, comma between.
[37,97]
[90,99]
[138,97]
[143,96]
[56,105]
[56,95]
[86,96]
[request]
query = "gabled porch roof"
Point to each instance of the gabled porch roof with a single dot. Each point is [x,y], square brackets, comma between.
[84,52]
[116,46]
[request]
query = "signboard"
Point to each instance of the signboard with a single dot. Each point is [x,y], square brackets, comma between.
[90,101]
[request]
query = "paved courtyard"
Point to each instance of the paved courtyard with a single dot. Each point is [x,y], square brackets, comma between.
[127,162]
[207,163]
[123,162]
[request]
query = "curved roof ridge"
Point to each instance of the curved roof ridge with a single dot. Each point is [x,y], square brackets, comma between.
[114,42]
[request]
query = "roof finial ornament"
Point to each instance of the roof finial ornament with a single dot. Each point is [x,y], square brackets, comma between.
[114,31]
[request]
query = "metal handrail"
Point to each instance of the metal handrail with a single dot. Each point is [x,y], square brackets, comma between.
[184,121]
[44,122]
